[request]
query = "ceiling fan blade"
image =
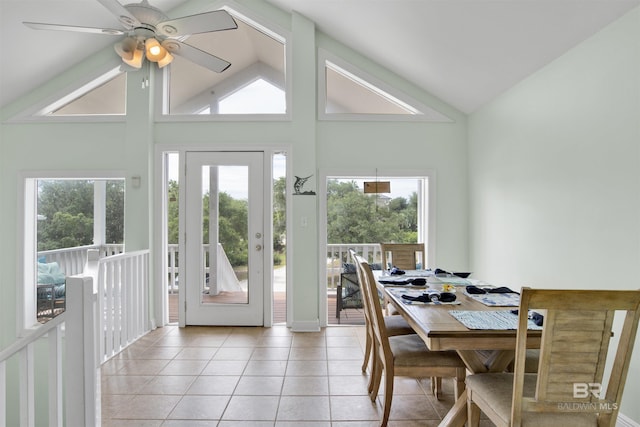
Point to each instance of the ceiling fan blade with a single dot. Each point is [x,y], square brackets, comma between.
[124,16]
[196,55]
[58,27]
[207,22]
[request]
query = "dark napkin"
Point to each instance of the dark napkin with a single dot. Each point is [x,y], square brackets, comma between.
[443,297]
[416,281]
[474,290]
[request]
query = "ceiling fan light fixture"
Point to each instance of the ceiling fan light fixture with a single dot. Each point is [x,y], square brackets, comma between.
[136,60]
[126,48]
[166,60]
[155,51]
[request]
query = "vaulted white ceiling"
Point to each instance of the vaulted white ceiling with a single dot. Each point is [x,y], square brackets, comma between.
[465,52]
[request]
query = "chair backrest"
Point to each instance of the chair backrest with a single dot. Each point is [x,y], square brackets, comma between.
[576,338]
[408,256]
[376,317]
[361,281]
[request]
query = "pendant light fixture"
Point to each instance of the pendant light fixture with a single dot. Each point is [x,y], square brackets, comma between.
[376,186]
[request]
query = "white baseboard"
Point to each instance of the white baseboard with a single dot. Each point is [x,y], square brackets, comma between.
[309,326]
[624,421]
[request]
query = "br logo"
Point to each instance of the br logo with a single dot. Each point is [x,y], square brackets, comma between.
[584,390]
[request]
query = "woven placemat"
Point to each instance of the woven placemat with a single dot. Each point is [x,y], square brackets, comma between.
[496,320]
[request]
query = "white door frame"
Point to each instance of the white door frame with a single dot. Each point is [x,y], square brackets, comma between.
[200,308]
[160,205]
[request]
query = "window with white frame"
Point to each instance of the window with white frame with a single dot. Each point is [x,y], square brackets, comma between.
[63,219]
[346,92]
[257,74]
[98,95]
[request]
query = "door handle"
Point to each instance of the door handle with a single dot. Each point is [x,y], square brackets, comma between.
[258,247]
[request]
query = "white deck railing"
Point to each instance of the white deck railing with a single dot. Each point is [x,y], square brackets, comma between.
[71,260]
[99,321]
[78,379]
[337,254]
[123,290]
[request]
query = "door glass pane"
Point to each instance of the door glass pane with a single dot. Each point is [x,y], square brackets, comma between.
[225,210]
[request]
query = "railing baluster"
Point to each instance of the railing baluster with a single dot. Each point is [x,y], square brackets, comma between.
[101,332]
[55,376]
[108,314]
[27,384]
[3,393]
[118,313]
[172,268]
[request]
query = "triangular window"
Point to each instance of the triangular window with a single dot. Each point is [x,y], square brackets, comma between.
[253,84]
[105,95]
[349,95]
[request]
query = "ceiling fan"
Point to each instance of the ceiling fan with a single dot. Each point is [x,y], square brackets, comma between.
[151,34]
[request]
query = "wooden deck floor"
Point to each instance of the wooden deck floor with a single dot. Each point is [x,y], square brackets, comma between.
[348,316]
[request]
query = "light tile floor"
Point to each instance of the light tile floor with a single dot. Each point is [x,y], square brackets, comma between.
[237,377]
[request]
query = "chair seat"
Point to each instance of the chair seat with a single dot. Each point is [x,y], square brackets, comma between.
[396,325]
[410,350]
[497,389]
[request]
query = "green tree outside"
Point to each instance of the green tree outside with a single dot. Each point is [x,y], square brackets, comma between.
[355,217]
[65,213]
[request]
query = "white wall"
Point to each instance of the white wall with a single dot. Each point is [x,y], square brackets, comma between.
[554,172]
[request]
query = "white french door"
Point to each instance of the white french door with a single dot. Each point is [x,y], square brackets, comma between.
[224,261]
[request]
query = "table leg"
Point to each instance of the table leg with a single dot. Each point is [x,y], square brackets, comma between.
[500,360]
[473,361]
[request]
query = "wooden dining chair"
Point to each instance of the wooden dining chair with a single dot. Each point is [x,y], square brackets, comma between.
[405,256]
[576,339]
[395,325]
[406,355]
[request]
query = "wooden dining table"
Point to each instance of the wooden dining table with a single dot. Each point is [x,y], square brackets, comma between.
[482,350]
